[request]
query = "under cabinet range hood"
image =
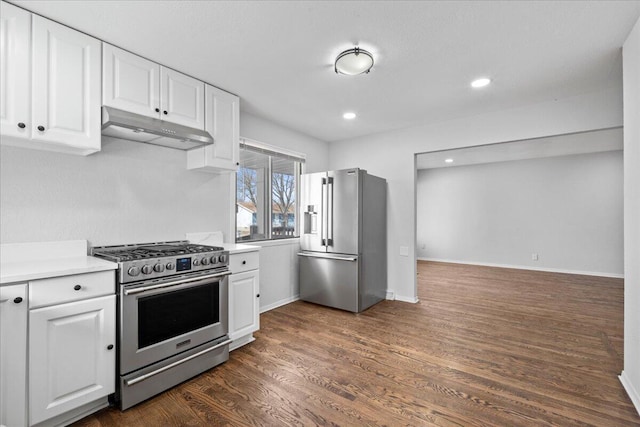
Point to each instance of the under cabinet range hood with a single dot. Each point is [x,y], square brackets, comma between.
[135,127]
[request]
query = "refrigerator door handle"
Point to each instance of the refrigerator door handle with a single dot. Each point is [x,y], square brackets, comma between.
[323,219]
[336,257]
[329,211]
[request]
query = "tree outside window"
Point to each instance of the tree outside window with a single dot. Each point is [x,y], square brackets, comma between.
[254,192]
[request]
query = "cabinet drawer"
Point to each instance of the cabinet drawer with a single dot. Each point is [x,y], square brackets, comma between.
[244,261]
[59,290]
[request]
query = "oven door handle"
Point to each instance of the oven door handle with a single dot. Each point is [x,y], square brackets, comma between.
[174,283]
[174,364]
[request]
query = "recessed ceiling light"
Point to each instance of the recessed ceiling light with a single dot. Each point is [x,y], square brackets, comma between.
[349,116]
[448,160]
[480,82]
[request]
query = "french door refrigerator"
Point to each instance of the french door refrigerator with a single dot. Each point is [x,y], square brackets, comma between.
[343,239]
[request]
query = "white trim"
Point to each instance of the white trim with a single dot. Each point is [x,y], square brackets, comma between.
[631,390]
[526,267]
[280,303]
[262,145]
[412,300]
[390,295]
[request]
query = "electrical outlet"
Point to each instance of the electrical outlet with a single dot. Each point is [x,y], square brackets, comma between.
[534,257]
[423,246]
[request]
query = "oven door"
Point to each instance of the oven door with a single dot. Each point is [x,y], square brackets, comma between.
[160,320]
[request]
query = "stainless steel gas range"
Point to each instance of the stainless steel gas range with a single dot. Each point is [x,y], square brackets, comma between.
[172,314]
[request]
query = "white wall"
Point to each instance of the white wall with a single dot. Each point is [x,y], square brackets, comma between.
[391,156]
[567,209]
[128,193]
[262,130]
[132,193]
[631,59]
[278,260]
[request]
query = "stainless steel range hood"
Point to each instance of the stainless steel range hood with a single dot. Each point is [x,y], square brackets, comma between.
[135,127]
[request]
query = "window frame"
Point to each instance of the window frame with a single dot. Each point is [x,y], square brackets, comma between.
[270,151]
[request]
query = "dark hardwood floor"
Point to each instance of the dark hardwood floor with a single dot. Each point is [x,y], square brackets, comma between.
[483,347]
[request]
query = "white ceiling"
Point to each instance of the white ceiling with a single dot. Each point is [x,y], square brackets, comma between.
[278,55]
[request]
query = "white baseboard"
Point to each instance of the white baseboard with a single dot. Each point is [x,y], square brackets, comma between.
[631,390]
[528,267]
[237,343]
[391,296]
[402,298]
[279,303]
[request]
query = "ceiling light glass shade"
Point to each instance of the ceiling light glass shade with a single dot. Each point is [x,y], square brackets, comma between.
[349,115]
[353,62]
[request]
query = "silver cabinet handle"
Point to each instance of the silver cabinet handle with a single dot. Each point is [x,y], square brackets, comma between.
[174,364]
[177,282]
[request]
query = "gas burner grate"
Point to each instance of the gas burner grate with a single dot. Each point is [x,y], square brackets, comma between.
[152,250]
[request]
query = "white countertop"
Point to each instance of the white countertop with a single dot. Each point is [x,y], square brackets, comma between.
[214,238]
[21,262]
[12,272]
[238,248]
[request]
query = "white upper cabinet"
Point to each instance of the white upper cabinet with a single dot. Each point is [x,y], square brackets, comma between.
[222,122]
[140,86]
[15,85]
[130,82]
[181,98]
[51,95]
[66,86]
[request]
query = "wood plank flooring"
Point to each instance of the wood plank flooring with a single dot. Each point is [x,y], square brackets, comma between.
[483,347]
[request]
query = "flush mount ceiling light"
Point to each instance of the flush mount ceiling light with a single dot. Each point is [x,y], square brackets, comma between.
[448,160]
[353,62]
[480,82]
[349,115]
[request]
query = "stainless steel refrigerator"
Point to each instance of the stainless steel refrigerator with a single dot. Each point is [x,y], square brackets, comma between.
[343,239]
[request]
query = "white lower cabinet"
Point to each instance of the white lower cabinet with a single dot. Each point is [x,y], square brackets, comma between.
[71,356]
[244,298]
[13,355]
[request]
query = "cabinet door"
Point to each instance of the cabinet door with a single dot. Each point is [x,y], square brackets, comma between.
[130,82]
[13,354]
[222,112]
[244,313]
[70,363]
[182,98]
[15,66]
[66,86]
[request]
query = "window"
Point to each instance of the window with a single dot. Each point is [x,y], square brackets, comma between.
[267,177]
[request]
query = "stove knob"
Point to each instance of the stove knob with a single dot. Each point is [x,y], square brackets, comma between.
[170,266]
[223,258]
[196,261]
[205,261]
[133,271]
[147,269]
[214,259]
[159,268]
